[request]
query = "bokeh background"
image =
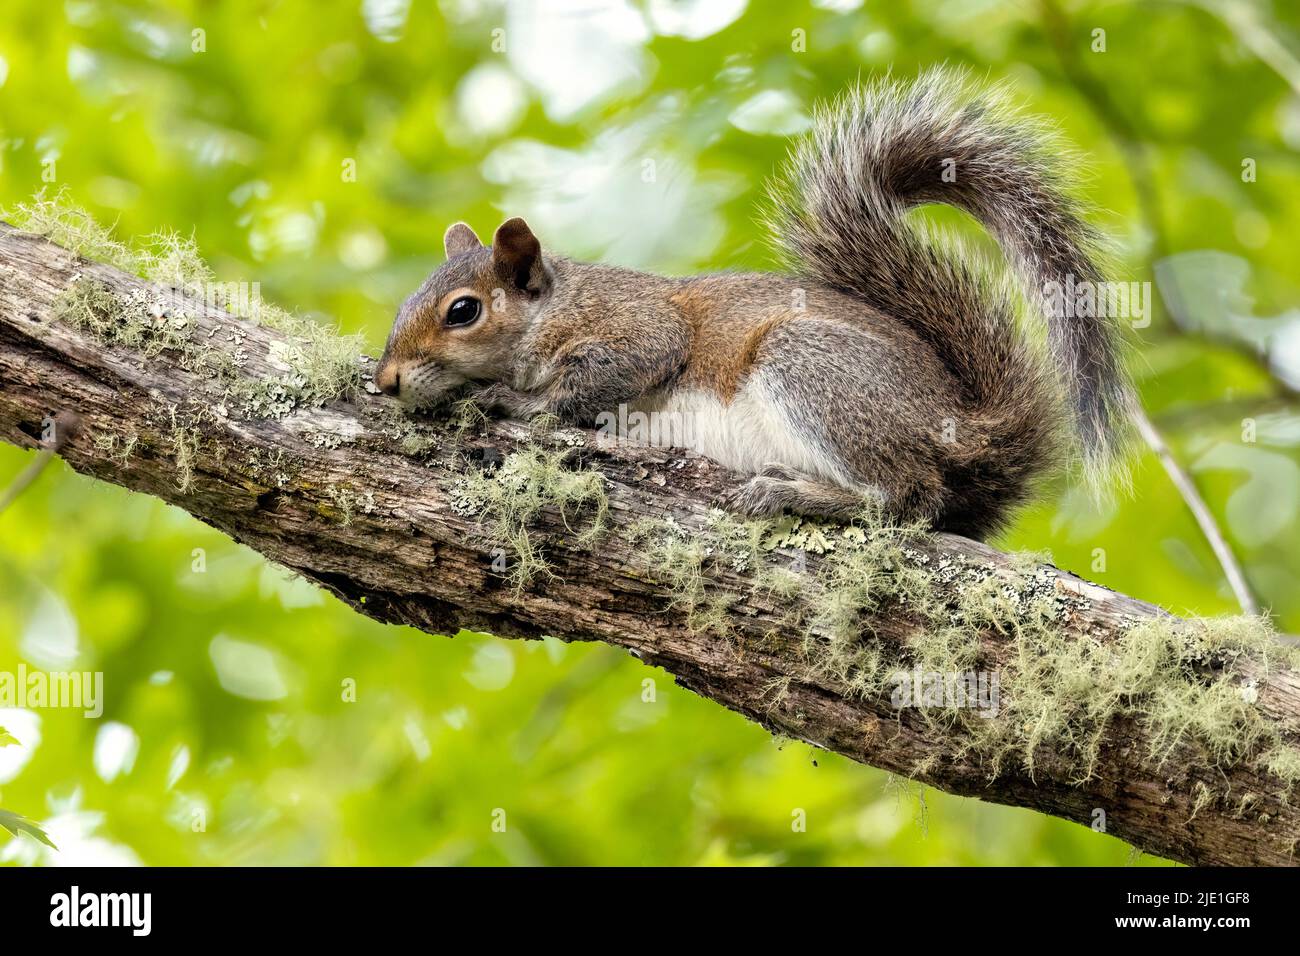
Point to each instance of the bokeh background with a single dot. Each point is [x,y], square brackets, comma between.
[638,132]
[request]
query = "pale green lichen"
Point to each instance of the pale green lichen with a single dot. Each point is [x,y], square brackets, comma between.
[134,321]
[466,416]
[1283,763]
[314,364]
[348,502]
[60,221]
[1183,683]
[508,500]
[412,438]
[676,556]
[185,443]
[116,448]
[319,438]
[1203,796]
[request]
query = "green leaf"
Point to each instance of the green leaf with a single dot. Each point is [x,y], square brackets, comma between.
[7,739]
[17,824]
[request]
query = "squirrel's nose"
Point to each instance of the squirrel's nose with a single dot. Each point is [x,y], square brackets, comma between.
[389,380]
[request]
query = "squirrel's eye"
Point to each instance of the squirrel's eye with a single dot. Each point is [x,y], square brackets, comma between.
[463,311]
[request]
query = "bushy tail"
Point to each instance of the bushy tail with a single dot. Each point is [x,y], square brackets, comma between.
[884,148]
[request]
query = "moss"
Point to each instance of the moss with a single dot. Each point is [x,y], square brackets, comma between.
[1187,684]
[509,499]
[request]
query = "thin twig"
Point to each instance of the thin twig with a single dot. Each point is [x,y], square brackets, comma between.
[25,478]
[1246,23]
[1126,137]
[1192,496]
[65,424]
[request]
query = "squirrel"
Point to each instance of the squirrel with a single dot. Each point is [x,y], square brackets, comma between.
[886,368]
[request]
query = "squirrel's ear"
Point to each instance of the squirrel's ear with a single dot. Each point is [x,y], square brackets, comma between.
[517,256]
[460,238]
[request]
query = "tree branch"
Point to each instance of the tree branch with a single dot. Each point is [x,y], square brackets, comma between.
[387,514]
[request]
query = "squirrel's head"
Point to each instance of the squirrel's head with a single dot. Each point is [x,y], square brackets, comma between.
[465,321]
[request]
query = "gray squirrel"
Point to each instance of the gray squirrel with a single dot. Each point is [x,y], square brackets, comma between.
[885,366]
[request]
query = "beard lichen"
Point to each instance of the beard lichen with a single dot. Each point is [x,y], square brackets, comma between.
[136,321]
[117,448]
[186,441]
[61,221]
[1185,686]
[313,364]
[508,499]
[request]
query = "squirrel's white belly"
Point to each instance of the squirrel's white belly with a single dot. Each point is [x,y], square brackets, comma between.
[747,434]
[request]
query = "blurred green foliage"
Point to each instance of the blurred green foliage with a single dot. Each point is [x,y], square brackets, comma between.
[634,132]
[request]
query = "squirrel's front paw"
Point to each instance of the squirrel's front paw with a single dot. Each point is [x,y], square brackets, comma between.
[501,397]
[488,397]
[495,397]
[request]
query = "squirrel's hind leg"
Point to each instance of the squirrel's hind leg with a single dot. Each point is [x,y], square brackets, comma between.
[778,489]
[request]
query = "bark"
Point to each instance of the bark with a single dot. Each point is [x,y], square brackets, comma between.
[329,493]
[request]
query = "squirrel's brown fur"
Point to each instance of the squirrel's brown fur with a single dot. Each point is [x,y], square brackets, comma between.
[885,366]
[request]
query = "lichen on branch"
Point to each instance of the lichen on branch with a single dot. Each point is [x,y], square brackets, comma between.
[1188,684]
[314,364]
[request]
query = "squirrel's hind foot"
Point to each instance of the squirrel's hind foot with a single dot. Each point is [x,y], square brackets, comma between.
[778,489]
